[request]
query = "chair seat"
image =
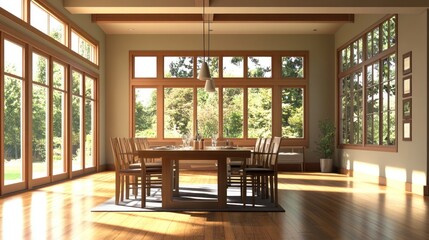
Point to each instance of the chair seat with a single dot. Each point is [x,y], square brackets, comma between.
[258,170]
[148,165]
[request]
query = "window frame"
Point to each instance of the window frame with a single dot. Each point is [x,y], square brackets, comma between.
[276,83]
[362,67]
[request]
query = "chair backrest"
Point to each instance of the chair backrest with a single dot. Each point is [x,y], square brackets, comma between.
[127,150]
[116,149]
[141,143]
[274,152]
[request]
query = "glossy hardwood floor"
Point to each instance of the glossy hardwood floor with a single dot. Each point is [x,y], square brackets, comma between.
[318,206]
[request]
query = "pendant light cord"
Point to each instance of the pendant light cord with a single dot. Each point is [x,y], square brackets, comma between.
[204,31]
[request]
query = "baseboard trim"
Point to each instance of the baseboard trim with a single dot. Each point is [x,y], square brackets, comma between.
[389,183]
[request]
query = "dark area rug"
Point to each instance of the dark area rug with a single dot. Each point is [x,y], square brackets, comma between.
[206,192]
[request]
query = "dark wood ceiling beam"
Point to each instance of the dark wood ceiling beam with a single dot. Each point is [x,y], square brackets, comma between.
[146,17]
[284,18]
[223,17]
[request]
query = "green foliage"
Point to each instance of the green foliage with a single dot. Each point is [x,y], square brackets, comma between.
[145,116]
[233,112]
[292,67]
[12,118]
[292,113]
[326,138]
[183,67]
[178,111]
[260,112]
[208,113]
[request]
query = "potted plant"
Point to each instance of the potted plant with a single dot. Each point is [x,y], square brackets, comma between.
[326,144]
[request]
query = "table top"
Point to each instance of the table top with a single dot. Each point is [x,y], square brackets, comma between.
[190,153]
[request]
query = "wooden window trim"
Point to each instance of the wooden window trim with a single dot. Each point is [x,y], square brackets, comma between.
[276,83]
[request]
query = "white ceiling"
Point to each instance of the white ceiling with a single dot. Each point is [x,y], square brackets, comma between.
[219,28]
[213,7]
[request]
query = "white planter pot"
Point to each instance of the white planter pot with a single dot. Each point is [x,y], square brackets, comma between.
[326,165]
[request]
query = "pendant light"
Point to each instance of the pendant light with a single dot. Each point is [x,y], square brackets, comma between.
[204,73]
[210,86]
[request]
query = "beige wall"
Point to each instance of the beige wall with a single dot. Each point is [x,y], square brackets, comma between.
[321,62]
[407,166]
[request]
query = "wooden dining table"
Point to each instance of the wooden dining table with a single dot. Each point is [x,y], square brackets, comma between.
[170,160]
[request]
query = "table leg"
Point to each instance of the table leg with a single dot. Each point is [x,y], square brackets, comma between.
[167,180]
[176,178]
[222,183]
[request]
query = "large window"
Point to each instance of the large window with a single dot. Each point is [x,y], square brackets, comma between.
[248,84]
[48,133]
[367,88]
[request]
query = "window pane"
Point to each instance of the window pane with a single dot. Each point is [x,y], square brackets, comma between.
[77,157]
[59,76]
[207,113]
[392,33]
[14,7]
[233,67]
[40,69]
[39,18]
[259,67]
[293,67]
[57,29]
[369,48]
[40,131]
[213,63]
[178,67]
[233,112]
[385,36]
[145,112]
[77,83]
[83,47]
[376,41]
[13,127]
[293,113]
[260,112]
[89,88]
[89,133]
[13,58]
[178,112]
[58,126]
[145,67]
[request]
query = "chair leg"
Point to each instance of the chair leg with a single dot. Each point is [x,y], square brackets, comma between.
[244,189]
[122,188]
[143,190]
[276,190]
[272,188]
[117,187]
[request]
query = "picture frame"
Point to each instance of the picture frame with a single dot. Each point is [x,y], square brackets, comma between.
[407,108]
[407,86]
[407,130]
[407,63]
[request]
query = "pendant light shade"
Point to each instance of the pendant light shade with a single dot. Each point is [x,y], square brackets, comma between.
[204,73]
[210,86]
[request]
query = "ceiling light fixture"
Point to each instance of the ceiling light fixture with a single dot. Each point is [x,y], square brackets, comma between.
[204,73]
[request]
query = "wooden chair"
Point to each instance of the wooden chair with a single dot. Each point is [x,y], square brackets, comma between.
[142,144]
[235,164]
[124,172]
[262,176]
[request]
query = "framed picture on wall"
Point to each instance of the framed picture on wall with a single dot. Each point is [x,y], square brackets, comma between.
[407,130]
[407,108]
[407,63]
[407,86]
